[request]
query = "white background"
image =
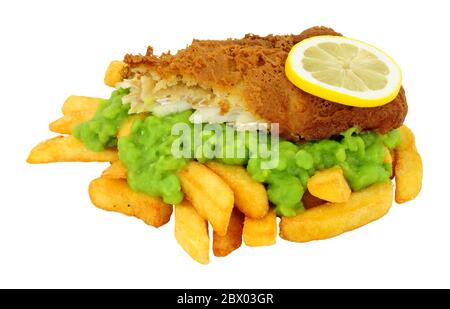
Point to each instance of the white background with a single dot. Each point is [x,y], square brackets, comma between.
[51,235]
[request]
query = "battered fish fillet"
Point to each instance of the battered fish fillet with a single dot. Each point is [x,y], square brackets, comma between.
[248,74]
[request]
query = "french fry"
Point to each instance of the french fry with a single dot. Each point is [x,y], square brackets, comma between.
[330,185]
[68,149]
[332,219]
[78,109]
[224,245]
[260,232]
[65,124]
[191,232]
[209,194]
[408,139]
[387,156]
[311,201]
[76,104]
[117,170]
[249,196]
[115,195]
[408,168]
[125,129]
[115,73]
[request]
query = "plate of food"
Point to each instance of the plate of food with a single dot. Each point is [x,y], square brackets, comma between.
[300,136]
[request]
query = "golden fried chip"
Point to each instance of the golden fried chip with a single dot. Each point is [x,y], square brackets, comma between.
[408,168]
[250,196]
[387,156]
[224,245]
[407,137]
[77,104]
[332,219]
[117,170]
[116,195]
[311,201]
[65,124]
[261,232]
[330,185]
[68,149]
[115,73]
[125,129]
[209,194]
[191,232]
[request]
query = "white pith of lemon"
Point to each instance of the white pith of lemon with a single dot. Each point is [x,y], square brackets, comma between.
[344,70]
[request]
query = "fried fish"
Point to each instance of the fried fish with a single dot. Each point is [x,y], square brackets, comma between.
[242,82]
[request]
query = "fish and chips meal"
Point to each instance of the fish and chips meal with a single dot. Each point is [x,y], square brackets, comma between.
[297,135]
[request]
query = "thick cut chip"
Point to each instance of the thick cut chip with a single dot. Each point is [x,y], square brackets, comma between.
[125,128]
[408,168]
[249,196]
[311,201]
[330,185]
[332,219]
[116,195]
[407,137]
[117,170]
[76,104]
[191,232]
[115,73]
[68,149]
[209,194]
[65,124]
[260,232]
[388,156]
[224,245]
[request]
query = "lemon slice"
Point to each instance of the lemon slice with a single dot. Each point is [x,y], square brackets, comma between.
[344,70]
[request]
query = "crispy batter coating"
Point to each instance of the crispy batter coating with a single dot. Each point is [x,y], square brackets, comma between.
[253,67]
